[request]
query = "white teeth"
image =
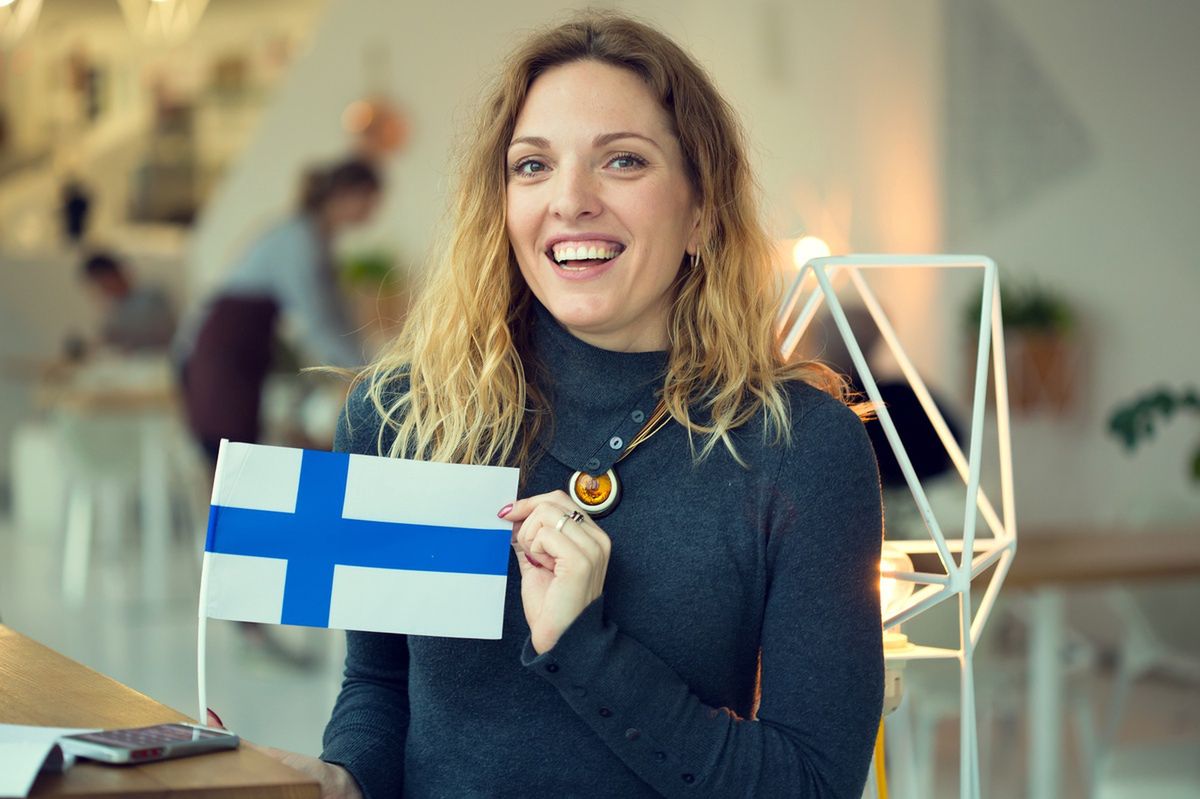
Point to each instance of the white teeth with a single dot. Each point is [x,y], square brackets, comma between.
[562,253]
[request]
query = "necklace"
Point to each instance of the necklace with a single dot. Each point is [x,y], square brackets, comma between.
[599,494]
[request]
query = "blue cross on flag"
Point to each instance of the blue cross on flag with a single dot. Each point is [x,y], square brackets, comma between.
[357,542]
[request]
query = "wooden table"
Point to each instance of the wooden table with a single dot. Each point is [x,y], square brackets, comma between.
[40,686]
[1083,557]
[1051,561]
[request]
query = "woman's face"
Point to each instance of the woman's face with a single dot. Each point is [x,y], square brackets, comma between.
[600,209]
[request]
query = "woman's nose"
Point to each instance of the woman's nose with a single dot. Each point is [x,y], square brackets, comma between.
[574,194]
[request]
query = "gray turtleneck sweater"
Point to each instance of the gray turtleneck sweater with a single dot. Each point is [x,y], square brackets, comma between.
[735,651]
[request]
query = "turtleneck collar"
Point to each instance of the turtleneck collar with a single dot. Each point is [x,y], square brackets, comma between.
[598,397]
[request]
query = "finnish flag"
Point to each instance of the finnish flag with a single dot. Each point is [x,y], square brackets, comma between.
[357,542]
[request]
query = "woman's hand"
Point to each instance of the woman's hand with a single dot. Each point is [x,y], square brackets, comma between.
[562,565]
[335,781]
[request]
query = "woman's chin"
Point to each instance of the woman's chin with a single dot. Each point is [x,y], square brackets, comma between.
[609,330]
[582,314]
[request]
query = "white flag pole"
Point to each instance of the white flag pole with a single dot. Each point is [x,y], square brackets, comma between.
[202,610]
[202,644]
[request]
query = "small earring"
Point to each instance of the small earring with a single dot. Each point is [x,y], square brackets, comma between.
[695,260]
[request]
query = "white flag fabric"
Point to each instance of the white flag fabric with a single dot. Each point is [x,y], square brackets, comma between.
[357,542]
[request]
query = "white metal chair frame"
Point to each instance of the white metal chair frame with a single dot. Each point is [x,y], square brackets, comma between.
[997,550]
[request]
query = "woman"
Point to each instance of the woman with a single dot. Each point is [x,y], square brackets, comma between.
[226,351]
[714,630]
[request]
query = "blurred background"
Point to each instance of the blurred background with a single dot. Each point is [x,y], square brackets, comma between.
[175,138]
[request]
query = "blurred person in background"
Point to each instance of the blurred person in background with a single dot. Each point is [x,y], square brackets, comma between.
[138,317]
[225,351]
[75,209]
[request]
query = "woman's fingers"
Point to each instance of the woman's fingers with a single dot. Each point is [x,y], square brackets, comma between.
[544,514]
[543,529]
[522,508]
[585,535]
[524,529]
[524,559]
[550,529]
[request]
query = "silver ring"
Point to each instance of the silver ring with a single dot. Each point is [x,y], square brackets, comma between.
[574,516]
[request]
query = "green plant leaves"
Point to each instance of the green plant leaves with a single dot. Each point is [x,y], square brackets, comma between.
[1136,421]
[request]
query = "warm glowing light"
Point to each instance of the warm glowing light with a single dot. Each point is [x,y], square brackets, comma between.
[357,116]
[17,20]
[378,125]
[893,593]
[162,22]
[807,248]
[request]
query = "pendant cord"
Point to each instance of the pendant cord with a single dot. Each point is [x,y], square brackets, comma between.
[599,494]
[657,421]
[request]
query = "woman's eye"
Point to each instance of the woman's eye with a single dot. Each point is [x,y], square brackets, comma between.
[627,161]
[529,166]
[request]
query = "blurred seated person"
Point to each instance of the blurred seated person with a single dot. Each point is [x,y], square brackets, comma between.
[138,317]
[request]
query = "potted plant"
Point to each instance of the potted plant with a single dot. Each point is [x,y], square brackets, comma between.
[1042,353]
[1136,421]
[379,292]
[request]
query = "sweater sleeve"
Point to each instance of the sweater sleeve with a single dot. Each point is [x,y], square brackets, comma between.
[367,731]
[821,653]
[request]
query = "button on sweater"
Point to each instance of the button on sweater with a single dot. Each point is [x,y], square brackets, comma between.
[736,648]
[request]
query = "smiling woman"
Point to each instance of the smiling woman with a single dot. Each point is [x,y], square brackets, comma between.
[707,625]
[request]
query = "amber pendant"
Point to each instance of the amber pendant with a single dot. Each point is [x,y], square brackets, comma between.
[597,495]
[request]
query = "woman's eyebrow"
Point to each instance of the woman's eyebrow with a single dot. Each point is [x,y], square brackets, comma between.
[536,141]
[599,141]
[608,138]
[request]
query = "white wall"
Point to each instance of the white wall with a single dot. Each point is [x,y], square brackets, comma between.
[1119,238]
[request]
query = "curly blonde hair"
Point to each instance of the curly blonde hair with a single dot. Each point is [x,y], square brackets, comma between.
[453,386]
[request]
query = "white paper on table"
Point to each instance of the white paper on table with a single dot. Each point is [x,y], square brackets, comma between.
[25,750]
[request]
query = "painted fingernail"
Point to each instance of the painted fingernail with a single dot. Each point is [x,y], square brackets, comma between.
[532,562]
[214,717]
[504,511]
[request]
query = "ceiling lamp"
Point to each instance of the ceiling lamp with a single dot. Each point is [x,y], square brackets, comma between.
[807,248]
[16,18]
[163,22]
[378,125]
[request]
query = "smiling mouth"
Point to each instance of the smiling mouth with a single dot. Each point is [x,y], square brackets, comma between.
[580,259]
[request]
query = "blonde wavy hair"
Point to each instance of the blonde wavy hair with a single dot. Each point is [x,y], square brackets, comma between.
[455,385]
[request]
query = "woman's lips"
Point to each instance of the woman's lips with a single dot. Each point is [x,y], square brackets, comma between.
[582,270]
